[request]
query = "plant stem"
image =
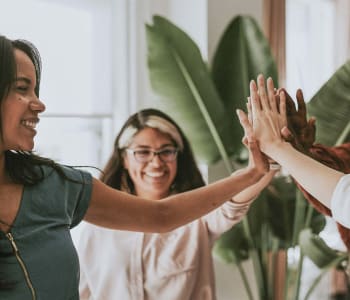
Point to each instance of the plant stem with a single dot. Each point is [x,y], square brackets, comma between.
[256,259]
[298,277]
[324,271]
[245,281]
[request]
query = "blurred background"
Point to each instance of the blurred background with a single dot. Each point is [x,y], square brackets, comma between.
[94,57]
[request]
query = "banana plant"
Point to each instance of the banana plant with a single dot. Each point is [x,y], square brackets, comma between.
[331,107]
[202,99]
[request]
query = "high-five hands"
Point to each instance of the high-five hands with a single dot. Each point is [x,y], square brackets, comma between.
[301,132]
[268,114]
[257,159]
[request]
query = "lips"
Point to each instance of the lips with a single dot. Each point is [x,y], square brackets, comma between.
[30,123]
[155,174]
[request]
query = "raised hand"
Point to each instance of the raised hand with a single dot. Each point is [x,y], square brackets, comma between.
[257,159]
[268,112]
[301,132]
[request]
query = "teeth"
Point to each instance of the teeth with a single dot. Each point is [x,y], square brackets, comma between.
[155,174]
[30,124]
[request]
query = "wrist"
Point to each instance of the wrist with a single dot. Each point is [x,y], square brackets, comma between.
[254,174]
[274,147]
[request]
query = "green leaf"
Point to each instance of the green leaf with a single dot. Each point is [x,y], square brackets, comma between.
[181,79]
[283,207]
[232,246]
[331,107]
[317,250]
[243,52]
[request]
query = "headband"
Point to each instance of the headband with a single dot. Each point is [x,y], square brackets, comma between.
[155,122]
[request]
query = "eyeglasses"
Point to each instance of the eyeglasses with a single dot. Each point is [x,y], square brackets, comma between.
[147,155]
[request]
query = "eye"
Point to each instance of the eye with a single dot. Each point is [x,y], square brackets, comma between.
[21,88]
[143,152]
[167,152]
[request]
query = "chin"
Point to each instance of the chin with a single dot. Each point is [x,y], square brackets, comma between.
[26,148]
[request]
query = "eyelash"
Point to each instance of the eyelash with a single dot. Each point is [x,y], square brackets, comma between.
[22,88]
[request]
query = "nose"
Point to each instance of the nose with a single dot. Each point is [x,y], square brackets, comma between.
[156,160]
[37,105]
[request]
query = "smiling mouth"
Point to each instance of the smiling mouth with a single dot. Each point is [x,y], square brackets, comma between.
[155,175]
[31,124]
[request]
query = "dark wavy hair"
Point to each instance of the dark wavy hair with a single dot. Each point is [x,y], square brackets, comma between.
[115,175]
[23,167]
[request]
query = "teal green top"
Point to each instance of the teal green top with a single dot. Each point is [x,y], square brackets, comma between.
[46,266]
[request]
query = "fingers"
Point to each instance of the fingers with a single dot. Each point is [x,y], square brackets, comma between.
[262,92]
[254,97]
[267,100]
[245,141]
[271,94]
[257,158]
[301,103]
[249,110]
[312,128]
[290,104]
[312,125]
[287,134]
[282,109]
[247,127]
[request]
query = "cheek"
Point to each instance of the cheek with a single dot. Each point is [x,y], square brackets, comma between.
[132,167]
[6,125]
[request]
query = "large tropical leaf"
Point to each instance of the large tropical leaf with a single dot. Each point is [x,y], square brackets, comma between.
[233,246]
[318,251]
[287,216]
[242,53]
[271,216]
[331,107]
[181,79]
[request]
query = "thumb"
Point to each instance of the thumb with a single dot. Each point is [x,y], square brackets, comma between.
[287,134]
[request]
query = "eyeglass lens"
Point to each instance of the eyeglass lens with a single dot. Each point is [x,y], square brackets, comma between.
[146,155]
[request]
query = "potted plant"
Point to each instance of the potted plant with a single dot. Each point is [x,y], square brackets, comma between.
[202,99]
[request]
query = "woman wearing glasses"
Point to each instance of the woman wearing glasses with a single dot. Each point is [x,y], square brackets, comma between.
[153,159]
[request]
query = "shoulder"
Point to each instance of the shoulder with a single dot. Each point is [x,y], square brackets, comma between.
[66,173]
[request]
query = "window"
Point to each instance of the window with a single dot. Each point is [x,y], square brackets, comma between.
[76,46]
[309,44]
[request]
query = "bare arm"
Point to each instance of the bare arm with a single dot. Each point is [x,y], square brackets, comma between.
[254,190]
[318,179]
[118,210]
[267,125]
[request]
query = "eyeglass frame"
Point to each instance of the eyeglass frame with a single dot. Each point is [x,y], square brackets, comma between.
[155,153]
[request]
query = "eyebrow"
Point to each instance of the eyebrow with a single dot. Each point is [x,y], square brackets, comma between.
[149,147]
[25,79]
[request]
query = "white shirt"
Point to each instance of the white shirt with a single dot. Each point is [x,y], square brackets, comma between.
[340,202]
[123,265]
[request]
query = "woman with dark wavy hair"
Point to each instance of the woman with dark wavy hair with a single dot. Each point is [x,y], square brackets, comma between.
[40,200]
[153,159]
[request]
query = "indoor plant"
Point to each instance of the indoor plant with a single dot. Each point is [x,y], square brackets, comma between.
[202,99]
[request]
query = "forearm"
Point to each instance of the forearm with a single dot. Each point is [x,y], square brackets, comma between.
[254,190]
[233,211]
[317,179]
[118,210]
[337,158]
[186,207]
